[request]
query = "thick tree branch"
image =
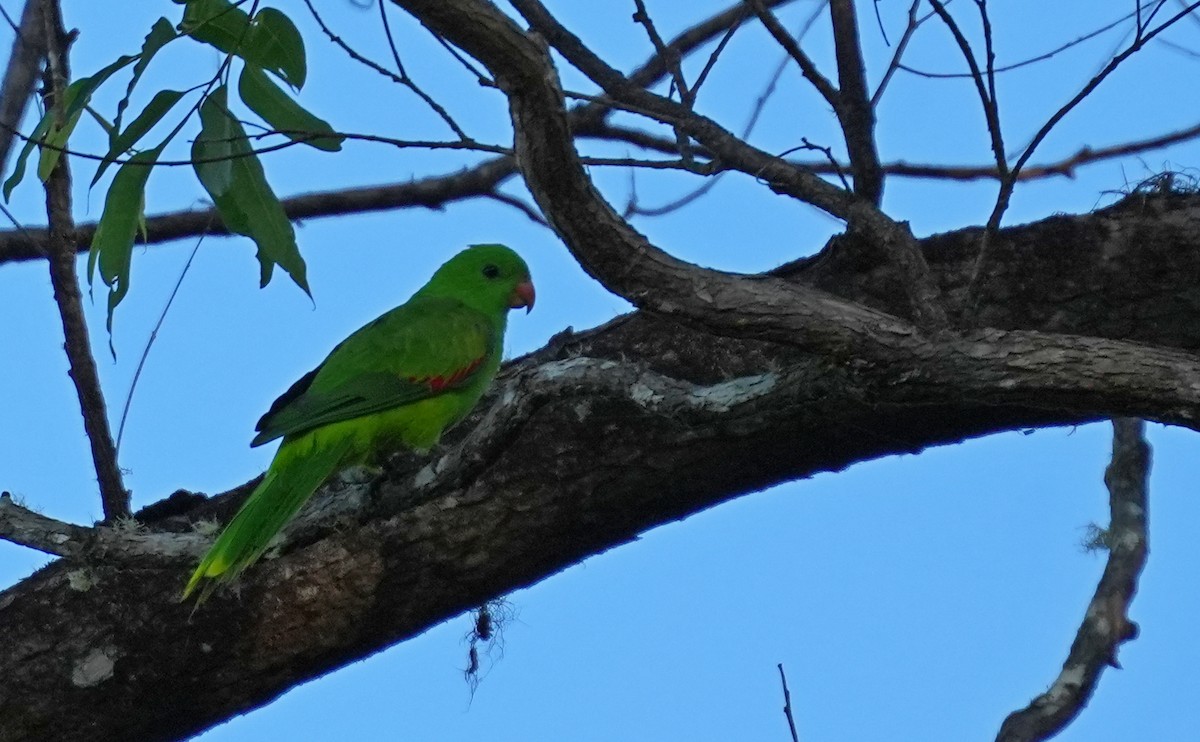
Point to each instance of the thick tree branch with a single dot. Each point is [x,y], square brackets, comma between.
[61,258]
[582,446]
[1106,626]
[543,141]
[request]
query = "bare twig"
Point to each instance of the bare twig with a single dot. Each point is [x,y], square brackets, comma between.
[61,256]
[807,67]
[902,46]
[991,108]
[632,208]
[25,527]
[830,160]
[293,138]
[712,59]
[1092,84]
[408,82]
[137,374]
[672,59]
[436,192]
[1008,183]
[528,210]
[1106,625]
[670,56]
[787,704]
[1024,62]
[855,113]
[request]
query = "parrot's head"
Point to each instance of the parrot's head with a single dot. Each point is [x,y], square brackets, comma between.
[490,278]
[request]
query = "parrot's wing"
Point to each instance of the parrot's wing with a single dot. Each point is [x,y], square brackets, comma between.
[418,350]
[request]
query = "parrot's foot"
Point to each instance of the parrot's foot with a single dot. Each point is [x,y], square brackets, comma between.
[401,464]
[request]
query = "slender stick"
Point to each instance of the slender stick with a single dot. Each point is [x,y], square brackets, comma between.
[787,705]
[61,256]
[20,77]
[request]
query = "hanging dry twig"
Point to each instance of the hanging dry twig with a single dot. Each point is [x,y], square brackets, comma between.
[1106,625]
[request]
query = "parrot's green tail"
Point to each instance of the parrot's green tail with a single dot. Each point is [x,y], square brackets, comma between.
[297,471]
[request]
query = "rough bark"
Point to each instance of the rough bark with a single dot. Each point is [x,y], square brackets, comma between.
[590,441]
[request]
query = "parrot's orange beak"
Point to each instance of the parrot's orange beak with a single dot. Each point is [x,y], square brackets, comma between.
[523,296]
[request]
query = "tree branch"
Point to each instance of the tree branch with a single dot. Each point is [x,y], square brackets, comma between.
[125,541]
[807,67]
[855,113]
[787,704]
[435,192]
[20,77]
[579,448]
[1106,626]
[61,254]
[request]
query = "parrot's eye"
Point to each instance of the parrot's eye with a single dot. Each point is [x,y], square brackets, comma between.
[491,271]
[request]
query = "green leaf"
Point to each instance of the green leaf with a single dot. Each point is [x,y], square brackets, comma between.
[87,85]
[112,244]
[75,98]
[159,106]
[35,138]
[270,40]
[284,114]
[243,197]
[216,23]
[278,47]
[161,33]
[212,151]
[104,123]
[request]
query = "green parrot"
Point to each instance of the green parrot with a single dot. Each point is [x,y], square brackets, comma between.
[397,382]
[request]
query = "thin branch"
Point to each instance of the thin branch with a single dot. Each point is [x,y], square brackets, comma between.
[1106,625]
[341,43]
[435,192]
[137,373]
[519,204]
[1024,62]
[20,78]
[408,81]
[787,704]
[902,46]
[991,108]
[855,113]
[293,138]
[61,254]
[1008,183]
[712,59]
[1095,82]
[807,67]
[680,164]
[22,526]
[830,161]
[671,57]
[632,208]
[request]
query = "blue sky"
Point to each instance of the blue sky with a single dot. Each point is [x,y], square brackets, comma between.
[913,598]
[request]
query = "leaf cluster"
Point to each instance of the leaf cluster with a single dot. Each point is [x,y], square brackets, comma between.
[269,50]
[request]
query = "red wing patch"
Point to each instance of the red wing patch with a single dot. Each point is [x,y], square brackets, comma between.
[441,382]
